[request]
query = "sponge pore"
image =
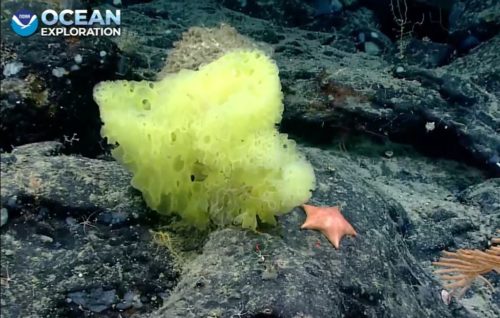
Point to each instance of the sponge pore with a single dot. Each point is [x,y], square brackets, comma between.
[203,144]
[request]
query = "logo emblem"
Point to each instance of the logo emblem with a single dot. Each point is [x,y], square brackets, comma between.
[24,22]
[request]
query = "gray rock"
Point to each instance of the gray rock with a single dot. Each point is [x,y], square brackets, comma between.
[45,97]
[405,207]
[63,248]
[96,300]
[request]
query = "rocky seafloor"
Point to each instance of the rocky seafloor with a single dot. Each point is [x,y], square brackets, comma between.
[402,129]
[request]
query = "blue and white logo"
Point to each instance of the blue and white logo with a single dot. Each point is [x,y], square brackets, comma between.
[24,22]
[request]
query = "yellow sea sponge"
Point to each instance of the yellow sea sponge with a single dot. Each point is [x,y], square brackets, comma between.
[203,144]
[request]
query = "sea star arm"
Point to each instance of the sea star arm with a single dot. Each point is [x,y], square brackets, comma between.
[329,221]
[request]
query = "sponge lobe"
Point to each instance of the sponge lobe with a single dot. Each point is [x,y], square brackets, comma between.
[203,144]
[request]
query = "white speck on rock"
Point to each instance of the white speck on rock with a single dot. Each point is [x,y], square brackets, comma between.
[59,72]
[12,68]
[430,126]
[78,58]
